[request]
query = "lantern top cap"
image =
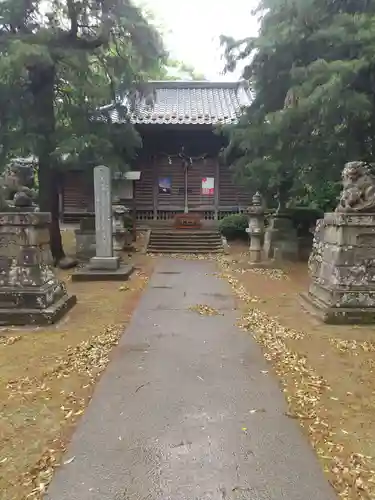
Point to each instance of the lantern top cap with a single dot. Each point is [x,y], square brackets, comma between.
[257,199]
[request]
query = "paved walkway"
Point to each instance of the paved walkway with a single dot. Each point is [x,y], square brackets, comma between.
[171,418]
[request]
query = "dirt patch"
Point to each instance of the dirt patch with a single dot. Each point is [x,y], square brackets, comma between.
[327,371]
[47,376]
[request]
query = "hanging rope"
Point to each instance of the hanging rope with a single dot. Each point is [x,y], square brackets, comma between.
[187,160]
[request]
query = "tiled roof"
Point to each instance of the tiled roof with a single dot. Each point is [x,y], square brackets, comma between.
[185,103]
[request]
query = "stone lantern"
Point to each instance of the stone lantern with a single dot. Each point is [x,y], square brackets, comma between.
[120,233]
[256,227]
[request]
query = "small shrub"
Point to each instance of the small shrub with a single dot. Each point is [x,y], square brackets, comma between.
[304,219]
[128,222]
[233,227]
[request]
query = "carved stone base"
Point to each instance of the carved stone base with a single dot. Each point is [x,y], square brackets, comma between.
[87,273]
[342,269]
[104,263]
[30,292]
[37,317]
[31,297]
[336,315]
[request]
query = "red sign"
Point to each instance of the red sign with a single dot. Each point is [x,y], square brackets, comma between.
[208,186]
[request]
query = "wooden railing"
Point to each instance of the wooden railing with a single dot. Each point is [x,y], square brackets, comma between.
[169,215]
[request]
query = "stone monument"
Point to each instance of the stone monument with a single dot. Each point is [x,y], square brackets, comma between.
[342,262]
[104,265]
[256,228]
[30,292]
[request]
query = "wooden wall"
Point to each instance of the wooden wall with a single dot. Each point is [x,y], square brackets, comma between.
[175,171]
[197,171]
[228,198]
[230,194]
[77,191]
[158,159]
[144,194]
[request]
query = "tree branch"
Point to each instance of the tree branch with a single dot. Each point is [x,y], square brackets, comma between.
[109,76]
[76,42]
[71,38]
[73,15]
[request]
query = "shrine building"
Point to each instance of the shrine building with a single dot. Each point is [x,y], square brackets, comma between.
[178,169]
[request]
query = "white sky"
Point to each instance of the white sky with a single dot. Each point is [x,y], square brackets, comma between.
[192,29]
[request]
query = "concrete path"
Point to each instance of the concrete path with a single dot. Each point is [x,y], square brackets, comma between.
[171,419]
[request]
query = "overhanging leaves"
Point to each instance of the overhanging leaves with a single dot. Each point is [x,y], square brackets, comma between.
[313,74]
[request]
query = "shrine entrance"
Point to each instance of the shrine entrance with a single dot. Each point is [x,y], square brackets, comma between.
[187,186]
[199,188]
[199,196]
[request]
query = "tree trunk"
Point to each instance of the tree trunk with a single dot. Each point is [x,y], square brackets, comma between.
[42,79]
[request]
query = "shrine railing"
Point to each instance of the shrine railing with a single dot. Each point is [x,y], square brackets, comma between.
[148,215]
[143,215]
[169,215]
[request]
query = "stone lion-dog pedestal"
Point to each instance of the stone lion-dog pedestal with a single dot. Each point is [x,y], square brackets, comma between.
[342,262]
[30,292]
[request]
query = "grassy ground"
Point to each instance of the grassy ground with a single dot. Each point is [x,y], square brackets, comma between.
[47,376]
[327,371]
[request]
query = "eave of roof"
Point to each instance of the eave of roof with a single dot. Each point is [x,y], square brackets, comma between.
[184,103]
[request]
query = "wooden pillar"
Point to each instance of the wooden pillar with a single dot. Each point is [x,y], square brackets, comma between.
[217,189]
[155,185]
[186,201]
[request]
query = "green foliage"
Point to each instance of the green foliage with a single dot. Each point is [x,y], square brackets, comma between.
[95,59]
[233,227]
[14,105]
[95,50]
[59,61]
[178,70]
[128,221]
[304,219]
[312,72]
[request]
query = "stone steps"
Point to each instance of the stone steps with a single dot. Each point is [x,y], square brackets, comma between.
[187,244]
[184,232]
[185,241]
[185,252]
